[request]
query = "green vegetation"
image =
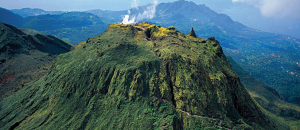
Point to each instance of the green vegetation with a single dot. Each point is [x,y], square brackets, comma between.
[139,76]
[25,56]
[268,98]
[192,33]
[271,58]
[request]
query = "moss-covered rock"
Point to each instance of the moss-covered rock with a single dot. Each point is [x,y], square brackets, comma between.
[192,33]
[139,76]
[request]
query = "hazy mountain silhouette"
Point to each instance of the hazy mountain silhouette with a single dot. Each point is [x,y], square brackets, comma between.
[25,12]
[8,17]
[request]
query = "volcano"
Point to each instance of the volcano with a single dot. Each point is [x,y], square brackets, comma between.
[140,76]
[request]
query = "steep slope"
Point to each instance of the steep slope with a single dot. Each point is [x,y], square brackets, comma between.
[137,77]
[25,55]
[268,98]
[9,17]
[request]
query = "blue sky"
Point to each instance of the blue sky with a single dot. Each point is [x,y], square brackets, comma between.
[83,5]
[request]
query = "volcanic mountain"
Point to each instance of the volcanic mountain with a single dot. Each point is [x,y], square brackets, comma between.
[140,76]
[271,58]
[25,55]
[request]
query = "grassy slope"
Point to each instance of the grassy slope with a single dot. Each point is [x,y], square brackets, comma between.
[130,77]
[26,55]
[269,99]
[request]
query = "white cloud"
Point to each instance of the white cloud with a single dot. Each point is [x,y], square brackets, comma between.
[149,13]
[276,8]
[135,3]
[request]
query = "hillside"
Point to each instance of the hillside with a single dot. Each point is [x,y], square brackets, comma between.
[25,56]
[137,77]
[268,98]
[8,17]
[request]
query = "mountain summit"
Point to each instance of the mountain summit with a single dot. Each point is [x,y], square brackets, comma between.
[140,76]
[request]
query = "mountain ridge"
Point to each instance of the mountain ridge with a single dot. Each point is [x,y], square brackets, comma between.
[25,55]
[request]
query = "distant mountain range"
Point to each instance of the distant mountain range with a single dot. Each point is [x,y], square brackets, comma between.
[271,58]
[73,27]
[25,12]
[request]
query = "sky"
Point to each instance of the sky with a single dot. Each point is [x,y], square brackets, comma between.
[83,5]
[278,16]
[268,8]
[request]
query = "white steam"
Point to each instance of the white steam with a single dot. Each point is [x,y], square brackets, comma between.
[276,8]
[127,21]
[148,13]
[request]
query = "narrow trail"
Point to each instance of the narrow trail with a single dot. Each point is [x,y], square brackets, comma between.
[219,123]
[139,27]
[189,114]
[145,37]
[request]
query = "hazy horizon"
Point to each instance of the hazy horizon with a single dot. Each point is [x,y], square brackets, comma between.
[264,15]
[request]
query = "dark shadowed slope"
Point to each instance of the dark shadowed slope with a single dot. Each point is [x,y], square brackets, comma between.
[137,77]
[25,55]
[8,17]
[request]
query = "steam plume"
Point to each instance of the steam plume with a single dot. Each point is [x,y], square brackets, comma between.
[148,13]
